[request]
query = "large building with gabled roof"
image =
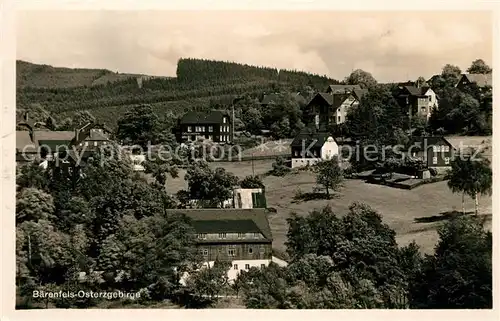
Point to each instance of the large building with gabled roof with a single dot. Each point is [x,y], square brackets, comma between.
[241,236]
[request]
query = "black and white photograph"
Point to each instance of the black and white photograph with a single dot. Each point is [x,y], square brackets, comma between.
[253,159]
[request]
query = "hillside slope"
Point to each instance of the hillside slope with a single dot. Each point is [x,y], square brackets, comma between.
[200,84]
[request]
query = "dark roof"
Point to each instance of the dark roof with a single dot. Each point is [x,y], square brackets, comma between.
[197,117]
[228,220]
[309,136]
[342,88]
[225,226]
[481,80]
[338,99]
[359,93]
[429,141]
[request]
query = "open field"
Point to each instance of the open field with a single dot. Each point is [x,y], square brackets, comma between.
[413,214]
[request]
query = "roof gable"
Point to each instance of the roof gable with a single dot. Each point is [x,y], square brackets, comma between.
[429,141]
[308,137]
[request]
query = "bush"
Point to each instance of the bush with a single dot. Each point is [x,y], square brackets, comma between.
[279,167]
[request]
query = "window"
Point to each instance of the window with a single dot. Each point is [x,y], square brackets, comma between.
[193,137]
[224,120]
[446,149]
[210,128]
[222,138]
[250,250]
[262,266]
[256,235]
[434,160]
[338,119]
[262,250]
[204,252]
[434,148]
[447,160]
[189,129]
[235,266]
[95,143]
[240,235]
[430,98]
[247,266]
[231,252]
[86,143]
[202,236]
[222,235]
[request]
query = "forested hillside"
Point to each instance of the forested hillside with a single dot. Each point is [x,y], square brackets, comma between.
[200,84]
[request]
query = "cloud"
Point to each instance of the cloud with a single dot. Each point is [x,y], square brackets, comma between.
[390,45]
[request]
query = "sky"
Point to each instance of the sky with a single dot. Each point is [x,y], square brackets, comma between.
[393,46]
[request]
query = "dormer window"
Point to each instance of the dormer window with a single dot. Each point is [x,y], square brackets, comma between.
[222,235]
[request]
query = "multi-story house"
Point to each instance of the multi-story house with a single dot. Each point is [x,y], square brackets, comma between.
[214,126]
[241,236]
[331,108]
[419,101]
[312,146]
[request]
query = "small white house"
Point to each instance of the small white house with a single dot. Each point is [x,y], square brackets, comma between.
[247,198]
[311,148]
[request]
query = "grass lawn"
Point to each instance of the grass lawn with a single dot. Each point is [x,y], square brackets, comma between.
[413,214]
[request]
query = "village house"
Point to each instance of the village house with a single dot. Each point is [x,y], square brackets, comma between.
[480,80]
[312,146]
[331,108]
[241,236]
[214,126]
[419,101]
[435,151]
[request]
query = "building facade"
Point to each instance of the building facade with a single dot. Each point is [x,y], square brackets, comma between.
[241,236]
[434,151]
[215,126]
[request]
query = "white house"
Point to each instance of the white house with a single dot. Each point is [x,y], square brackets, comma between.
[246,198]
[310,148]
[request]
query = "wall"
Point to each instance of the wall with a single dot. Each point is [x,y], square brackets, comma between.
[300,162]
[329,149]
[259,251]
